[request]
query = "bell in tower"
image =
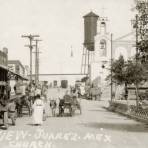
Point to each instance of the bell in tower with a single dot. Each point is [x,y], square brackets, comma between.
[102,25]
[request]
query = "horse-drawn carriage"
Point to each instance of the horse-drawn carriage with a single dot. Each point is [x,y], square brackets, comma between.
[71,103]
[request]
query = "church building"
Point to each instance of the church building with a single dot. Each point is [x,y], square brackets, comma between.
[100,64]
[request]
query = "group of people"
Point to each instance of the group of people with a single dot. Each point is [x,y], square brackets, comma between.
[30,96]
[37,100]
[37,97]
[55,103]
[43,102]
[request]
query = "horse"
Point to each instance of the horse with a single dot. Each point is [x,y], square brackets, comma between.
[20,102]
[61,107]
[53,106]
[18,107]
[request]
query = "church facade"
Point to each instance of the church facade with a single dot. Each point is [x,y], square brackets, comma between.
[101,63]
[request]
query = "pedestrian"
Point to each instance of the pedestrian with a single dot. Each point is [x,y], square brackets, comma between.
[4,109]
[44,91]
[38,110]
[17,87]
[23,92]
[53,106]
[38,91]
[12,110]
[32,93]
[45,110]
[8,89]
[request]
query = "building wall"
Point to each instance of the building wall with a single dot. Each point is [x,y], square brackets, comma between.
[16,66]
[102,54]
[124,45]
[71,78]
[3,58]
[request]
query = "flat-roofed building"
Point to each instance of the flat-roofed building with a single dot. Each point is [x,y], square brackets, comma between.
[16,66]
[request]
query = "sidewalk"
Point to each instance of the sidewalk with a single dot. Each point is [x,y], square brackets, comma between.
[129,111]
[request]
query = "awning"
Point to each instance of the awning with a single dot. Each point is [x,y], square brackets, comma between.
[3,67]
[19,76]
[13,73]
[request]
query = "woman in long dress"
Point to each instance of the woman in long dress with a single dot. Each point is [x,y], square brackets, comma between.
[38,110]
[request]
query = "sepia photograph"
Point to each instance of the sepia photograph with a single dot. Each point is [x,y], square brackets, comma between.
[73,73]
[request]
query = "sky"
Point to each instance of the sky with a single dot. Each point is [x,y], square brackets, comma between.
[60,26]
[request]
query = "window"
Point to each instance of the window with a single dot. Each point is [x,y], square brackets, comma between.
[103,27]
[103,47]
[103,24]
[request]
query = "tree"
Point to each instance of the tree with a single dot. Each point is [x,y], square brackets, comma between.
[129,72]
[118,73]
[141,25]
[117,70]
[84,79]
[135,73]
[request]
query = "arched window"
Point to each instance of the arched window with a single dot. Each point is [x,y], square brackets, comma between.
[103,24]
[102,47]
[103,27]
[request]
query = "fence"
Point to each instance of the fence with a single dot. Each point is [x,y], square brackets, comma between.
[129,110]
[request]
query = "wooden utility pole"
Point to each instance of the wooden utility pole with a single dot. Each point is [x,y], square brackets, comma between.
[111,67]
[30,37]
[37,61]
[136,37]
[136,23]
[88,66]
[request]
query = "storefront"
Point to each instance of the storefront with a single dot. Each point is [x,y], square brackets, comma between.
[3,72]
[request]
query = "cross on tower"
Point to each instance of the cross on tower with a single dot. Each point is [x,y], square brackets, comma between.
[103,11]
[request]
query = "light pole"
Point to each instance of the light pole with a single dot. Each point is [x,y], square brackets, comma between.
[137,97]
[135,25]
[111,67]
[111,72]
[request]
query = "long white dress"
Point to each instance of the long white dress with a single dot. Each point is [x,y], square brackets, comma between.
[38,108]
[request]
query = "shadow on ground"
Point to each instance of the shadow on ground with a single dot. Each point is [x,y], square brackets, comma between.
[129,127]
